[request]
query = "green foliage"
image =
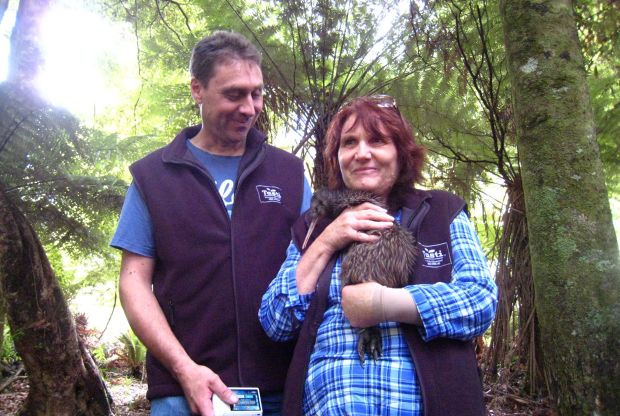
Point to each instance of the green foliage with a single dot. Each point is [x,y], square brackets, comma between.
[63,177]
[598,24]
[100,353]
[325,53]
[165,34]
[133,353]
[65,279]
[48,167]
[457,99]
[605,95]
[7,349]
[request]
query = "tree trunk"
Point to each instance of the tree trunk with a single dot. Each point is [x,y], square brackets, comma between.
[320,169]
[25,60]
[573,248]
[62,375]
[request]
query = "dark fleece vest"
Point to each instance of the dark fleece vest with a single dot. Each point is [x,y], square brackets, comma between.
[446,368]
[211,270]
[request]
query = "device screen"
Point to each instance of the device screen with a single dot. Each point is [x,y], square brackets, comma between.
[249,399]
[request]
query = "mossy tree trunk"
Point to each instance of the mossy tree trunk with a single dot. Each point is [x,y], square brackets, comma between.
[573,247]
[62,375]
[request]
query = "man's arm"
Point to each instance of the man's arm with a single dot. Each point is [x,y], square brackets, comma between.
[147,319]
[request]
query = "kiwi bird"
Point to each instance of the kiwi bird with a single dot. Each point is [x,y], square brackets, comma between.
[387,261]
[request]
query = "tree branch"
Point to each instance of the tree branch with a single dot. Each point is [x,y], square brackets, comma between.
[163,19]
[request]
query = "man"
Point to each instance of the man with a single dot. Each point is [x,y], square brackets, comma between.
[204,229]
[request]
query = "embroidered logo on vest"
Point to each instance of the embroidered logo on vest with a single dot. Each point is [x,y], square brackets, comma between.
[267,194]
[436,255]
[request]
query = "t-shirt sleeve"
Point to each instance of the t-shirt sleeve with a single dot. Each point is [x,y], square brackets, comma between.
[134,231]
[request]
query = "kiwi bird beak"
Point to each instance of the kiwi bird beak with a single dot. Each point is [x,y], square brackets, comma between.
[308,234]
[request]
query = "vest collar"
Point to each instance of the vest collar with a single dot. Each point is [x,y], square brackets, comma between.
[177,151]
[412,202]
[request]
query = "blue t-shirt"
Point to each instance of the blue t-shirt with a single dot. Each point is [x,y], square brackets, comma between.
[134,232]
[224,172]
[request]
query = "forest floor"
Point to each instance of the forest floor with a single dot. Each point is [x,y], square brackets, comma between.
[128,395]
[130,400]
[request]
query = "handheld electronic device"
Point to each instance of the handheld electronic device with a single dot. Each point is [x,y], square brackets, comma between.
[249,403]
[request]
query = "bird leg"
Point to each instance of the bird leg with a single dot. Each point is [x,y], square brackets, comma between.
[369,342]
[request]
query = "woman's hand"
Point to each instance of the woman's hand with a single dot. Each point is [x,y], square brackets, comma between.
[353,224]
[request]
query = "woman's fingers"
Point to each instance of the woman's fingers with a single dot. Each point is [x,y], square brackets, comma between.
[354,224]
[367,217]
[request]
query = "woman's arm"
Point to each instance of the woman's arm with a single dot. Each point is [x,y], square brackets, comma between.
[287,299]
[461,309]
[350,226]
[465,307]
[283,309]
[367,304]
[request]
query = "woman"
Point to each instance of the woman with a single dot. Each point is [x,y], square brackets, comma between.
[427,364]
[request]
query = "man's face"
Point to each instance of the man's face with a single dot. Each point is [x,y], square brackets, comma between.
[230,102]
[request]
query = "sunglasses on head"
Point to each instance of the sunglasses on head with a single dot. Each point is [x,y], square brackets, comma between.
[380,100]
[383,101]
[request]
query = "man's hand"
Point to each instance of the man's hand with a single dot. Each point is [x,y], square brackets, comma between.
[144,314]
[199,385]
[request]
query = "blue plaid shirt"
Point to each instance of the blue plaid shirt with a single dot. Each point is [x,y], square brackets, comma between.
[337,384]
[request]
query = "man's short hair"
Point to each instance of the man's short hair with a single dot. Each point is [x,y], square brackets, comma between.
[217,48]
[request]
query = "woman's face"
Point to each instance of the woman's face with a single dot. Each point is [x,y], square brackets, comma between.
[367,162]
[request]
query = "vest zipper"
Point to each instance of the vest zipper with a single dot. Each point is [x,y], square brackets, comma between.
[244,171]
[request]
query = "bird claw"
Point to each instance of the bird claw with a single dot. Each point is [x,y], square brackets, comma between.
[369,342]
